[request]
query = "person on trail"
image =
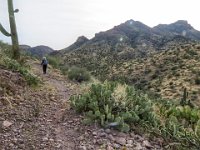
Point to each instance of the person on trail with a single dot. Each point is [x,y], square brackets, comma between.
[44,65]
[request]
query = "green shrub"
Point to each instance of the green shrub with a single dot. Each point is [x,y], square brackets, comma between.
[113,105]
[78,74]
[64,69]
[53,61]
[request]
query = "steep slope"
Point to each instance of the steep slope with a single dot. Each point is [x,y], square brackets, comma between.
[166,73]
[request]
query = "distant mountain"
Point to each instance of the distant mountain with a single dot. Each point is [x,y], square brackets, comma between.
[38,51]
[140,39]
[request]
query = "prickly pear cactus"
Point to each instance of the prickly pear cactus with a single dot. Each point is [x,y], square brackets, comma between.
[100,105]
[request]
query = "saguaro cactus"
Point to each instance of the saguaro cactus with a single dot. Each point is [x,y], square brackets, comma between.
[13,30]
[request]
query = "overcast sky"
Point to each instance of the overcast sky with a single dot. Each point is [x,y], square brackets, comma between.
[58,23]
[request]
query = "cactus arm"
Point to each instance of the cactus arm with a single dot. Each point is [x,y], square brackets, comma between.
[3,30]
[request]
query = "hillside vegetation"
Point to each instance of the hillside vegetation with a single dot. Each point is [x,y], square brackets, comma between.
[166,73]
[162,60]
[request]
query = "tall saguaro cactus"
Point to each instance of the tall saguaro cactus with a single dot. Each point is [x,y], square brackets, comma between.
[13,30]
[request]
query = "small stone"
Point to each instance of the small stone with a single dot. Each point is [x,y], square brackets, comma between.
[80,138]
[116,146]
[108,131]
[111,138]
[90,147]
[130,142]
[76,129]
[138,138]
[70,121]
[147,144]
[129,145]
[103,134]
[138,147]
[82,147]
[94,141]
[157,147]
[7,124]
[99,141]
[51,140]
[132,134]
[113,133]
[101,130]
[58,146]
[20,141]
[121,134]
[60,141]
[45,139]
[109,148]
[11,145]
[121,140]
[94,133]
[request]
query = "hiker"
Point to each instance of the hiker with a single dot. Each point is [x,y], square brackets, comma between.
[44,65]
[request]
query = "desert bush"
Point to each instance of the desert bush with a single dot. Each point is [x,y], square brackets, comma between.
[182,125]
[191,52]
[115,105]
[53,61]
[13,65]
[78,74]
[64,69]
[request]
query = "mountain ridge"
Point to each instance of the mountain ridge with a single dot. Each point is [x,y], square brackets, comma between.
[180,27]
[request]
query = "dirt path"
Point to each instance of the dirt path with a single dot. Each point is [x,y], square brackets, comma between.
[63,135]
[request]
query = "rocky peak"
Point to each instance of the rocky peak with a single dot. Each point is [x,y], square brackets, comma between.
[79,42]
[182,24]
[82,39]
[177,27]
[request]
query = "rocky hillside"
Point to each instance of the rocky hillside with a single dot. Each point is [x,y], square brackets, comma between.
[166,73]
